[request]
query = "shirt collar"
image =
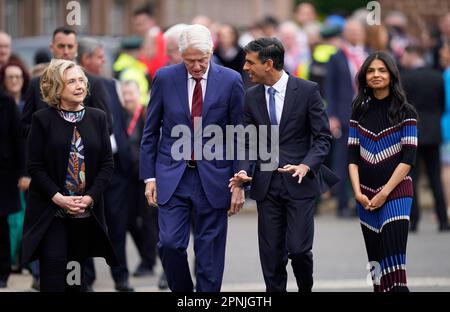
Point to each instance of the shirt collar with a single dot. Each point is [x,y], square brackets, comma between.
[205,75]
[280,85]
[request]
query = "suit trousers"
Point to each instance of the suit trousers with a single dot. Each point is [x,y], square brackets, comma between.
[5,249]
[431,158]
[340,166]
[116,216]
[142,223]
[189,200]
[285,231]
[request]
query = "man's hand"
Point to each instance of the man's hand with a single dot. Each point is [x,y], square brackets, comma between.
[150,193]
[72,204]
[238,180]
[24,183]
[335,127]
[297,171]
[237,200]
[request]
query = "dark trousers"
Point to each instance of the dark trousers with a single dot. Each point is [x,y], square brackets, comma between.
[142,223]
[340,167]
[5,249]
[209,237]
[431,158]
[285,231]
[66,240]
[116,216]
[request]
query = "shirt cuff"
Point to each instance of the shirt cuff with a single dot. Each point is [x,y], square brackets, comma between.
[149,180]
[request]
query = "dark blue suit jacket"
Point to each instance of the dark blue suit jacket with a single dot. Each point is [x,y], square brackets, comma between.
[119,127]
[304,137]
[338,88]
[169,107]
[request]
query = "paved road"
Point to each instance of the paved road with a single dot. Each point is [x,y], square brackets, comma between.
[339,257]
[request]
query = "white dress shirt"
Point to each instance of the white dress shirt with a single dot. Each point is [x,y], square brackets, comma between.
[280,87]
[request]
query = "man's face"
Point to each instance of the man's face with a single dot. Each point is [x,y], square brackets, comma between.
[142,23]
[64,46]
[94,62]
[173,52]
[196,61]
[256,70]
[5,48]
[131,97]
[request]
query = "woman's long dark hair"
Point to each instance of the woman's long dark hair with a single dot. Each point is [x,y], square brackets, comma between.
[399,104]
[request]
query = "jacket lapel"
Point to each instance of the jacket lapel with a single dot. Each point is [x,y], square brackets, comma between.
[212,85]
[261,103]
[180,82]
[289,102]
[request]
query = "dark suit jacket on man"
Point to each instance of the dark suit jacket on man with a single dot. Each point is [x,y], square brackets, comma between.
[425,91]
[222,106]
[12,158]
[304,137]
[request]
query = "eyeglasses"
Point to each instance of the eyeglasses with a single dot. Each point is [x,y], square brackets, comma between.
[14,77]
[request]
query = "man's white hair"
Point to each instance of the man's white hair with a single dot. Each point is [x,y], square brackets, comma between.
[174,32]
[197,37]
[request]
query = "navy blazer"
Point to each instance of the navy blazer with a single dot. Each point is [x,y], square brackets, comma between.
[304,137]
[169,107]
[119,126]
[339,91]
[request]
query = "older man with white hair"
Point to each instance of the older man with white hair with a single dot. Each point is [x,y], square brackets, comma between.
[199,92]
[171,37]
[5,48]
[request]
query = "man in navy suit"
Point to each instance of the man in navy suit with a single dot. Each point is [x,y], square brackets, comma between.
[340,88]
[285,193]
[198,92]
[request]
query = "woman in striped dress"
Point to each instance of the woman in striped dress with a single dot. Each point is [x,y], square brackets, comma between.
[382,148]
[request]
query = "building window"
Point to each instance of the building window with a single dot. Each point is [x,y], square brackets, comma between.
[50,16]
[116,20]
[85,6]
[11,18]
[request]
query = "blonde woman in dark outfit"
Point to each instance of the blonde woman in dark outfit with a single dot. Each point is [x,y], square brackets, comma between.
[70,163]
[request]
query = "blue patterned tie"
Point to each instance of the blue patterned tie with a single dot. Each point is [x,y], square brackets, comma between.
[272,109]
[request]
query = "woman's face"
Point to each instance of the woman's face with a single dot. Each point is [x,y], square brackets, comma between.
[378,76]
[74,90]
[13,79]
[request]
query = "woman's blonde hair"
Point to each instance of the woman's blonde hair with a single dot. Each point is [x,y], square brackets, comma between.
[52,81]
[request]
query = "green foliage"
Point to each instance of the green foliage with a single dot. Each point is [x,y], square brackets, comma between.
[326,7]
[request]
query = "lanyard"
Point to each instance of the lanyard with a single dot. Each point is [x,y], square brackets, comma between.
[137,114]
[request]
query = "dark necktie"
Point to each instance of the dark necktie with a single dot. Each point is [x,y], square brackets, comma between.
[272,109]
[197,103]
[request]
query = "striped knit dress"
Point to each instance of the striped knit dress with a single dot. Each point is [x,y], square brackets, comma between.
[377,148]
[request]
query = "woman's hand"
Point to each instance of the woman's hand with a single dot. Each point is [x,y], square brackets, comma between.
[86,199]
[72,204]
[363,200]
[378,200]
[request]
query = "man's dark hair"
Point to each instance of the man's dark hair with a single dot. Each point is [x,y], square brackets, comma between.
[415,49]
[268,48]
[65,30]
[146,9]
